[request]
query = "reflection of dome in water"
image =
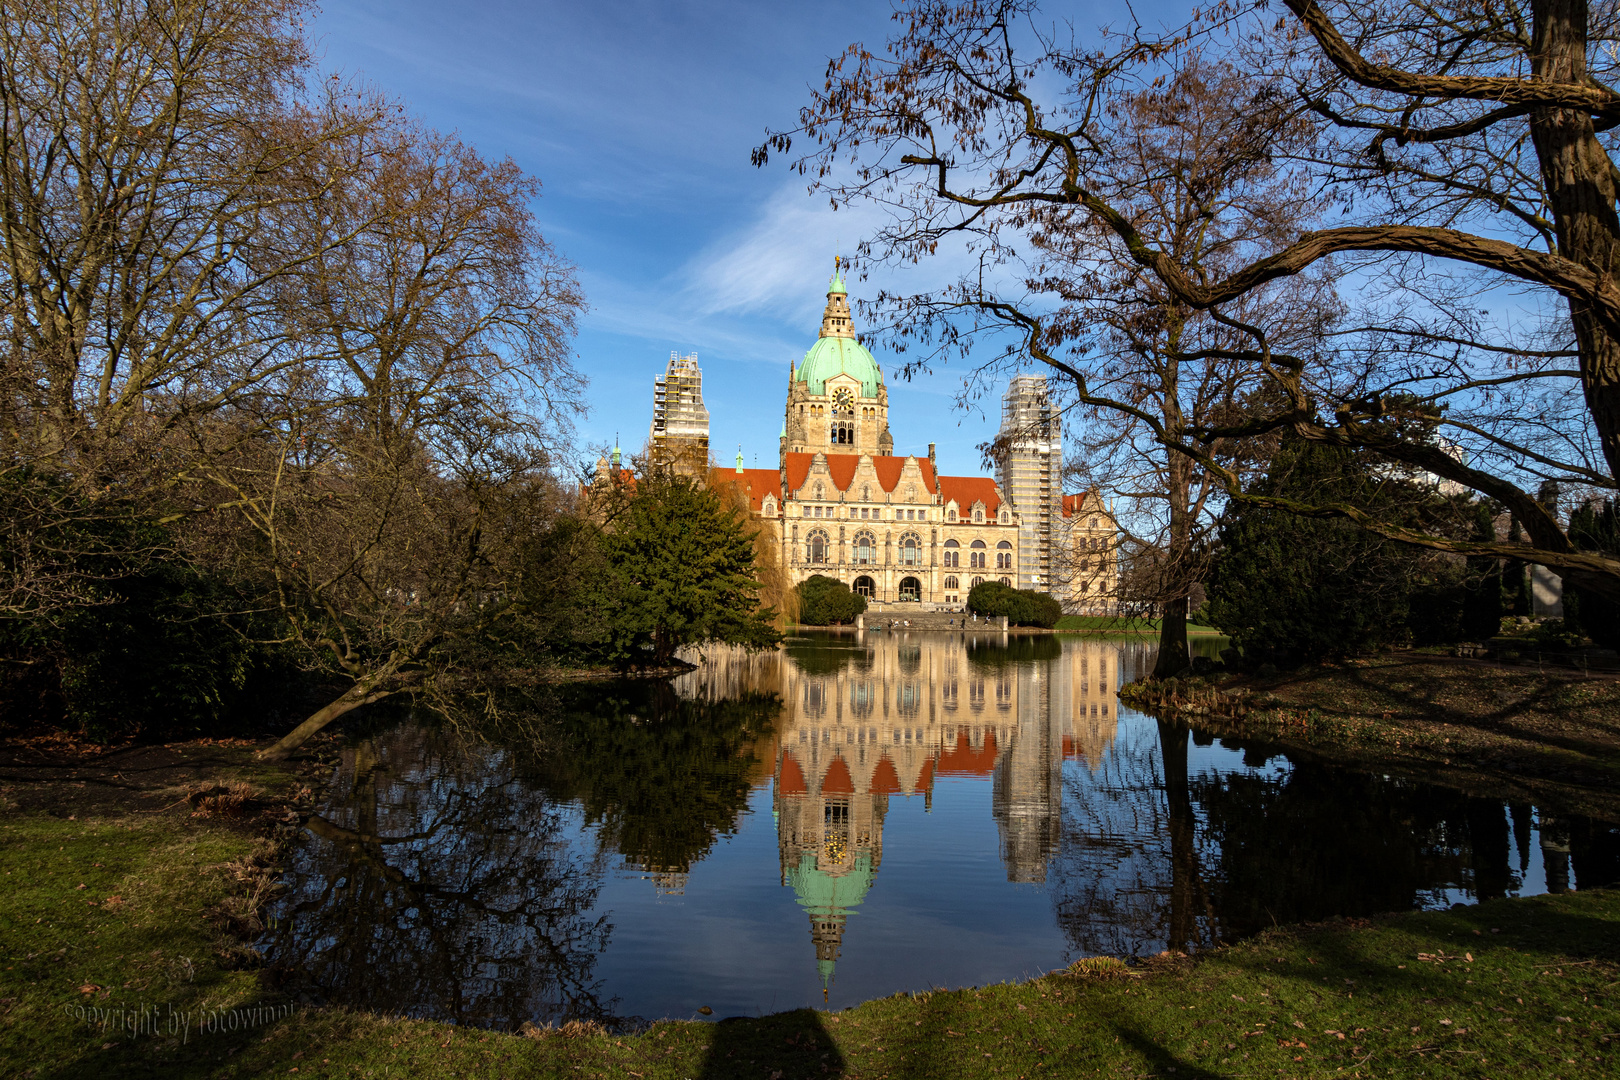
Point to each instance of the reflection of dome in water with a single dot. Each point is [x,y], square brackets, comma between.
[827,898]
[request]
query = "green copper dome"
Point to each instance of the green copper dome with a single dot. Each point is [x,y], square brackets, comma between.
[833,356]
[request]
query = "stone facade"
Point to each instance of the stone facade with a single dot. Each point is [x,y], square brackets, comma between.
[1088,556]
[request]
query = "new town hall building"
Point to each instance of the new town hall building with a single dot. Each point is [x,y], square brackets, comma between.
[842,504]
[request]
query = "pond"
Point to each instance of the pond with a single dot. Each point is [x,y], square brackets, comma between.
[848,817]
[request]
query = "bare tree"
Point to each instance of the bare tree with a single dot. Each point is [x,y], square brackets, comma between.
[327,346]
[978,124]
[148,152]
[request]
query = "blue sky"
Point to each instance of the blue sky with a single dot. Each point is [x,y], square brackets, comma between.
[638,118]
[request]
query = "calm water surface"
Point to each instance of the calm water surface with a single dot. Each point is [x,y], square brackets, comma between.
[850,817]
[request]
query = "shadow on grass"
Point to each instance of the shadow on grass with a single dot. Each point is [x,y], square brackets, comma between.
[789,1045]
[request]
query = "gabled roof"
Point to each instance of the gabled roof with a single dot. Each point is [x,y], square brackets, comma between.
[758,483]
[1084,502]
[842,467]
[967,490]
[890,468]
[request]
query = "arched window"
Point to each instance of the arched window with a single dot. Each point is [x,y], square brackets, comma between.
[910,589]
[951,583]
[950,515]
[817,553]
[1004,559]
[910,549]
[768,507]
[976,582]
[976,555]
[820,491]
[865,548]
[953,555]
[865,586]
[1005,581]
[1005,517]
[1093,521]
[1085,586]
[978,515]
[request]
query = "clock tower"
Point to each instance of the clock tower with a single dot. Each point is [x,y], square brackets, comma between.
[837,402]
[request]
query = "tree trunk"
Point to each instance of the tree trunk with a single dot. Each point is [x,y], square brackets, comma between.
[359,694]
[1579,181]
[1173,652]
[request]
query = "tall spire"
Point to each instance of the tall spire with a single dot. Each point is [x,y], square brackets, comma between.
[835,318]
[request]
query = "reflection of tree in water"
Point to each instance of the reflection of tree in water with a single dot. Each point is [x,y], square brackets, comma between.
[1153,857]
[1110,875]
[990,654]
[1322,841]
[827,655]
[439,885]
[664,776]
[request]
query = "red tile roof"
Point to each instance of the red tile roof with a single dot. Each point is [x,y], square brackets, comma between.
[890,468]
[967,490]
[963,760]
[842,469]
[790,780]
[885,781]
[838,780]
[758,483]
[1082,503]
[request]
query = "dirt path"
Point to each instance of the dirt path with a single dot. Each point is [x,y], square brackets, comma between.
[58,775]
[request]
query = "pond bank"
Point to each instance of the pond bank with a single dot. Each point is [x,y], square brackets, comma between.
[1549,736]
[122,894]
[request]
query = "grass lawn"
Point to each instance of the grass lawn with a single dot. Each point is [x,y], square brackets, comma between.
[1111,624]
[121,909]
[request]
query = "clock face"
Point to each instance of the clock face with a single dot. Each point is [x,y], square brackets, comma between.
[843,399]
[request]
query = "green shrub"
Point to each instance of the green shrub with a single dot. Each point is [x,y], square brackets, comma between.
[1023,607]
[149,646]
[1290,588]
[825,601]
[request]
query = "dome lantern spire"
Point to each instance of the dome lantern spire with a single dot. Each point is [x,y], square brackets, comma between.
[835,318]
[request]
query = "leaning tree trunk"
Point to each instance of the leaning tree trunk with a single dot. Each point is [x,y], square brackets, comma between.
[361,693]
[1580,185]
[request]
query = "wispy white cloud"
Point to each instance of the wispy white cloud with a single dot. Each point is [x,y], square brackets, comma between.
[778,262]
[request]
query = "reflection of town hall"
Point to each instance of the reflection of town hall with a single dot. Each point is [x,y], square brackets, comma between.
[892,722]
[840,503]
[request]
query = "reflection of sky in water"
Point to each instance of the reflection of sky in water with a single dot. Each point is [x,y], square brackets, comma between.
[923,812]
